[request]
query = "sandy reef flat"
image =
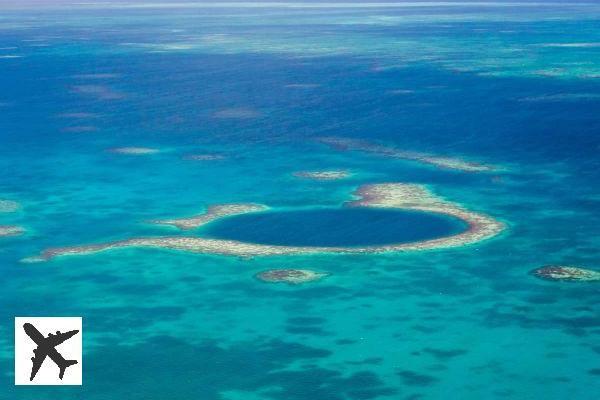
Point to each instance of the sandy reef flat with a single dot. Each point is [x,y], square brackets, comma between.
[387,195]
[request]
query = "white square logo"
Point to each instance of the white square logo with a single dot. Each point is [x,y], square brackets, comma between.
[48,350]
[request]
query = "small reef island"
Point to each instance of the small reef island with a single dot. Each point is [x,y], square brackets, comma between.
[290,276]
[566,273]
[399,196]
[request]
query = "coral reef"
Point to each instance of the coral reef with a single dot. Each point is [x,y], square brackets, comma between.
[566,273]
[236,113]
[77,115]
[437,161]
[302,85]
[99,92]
[135,150]
[8,206]
[11,230]
[389,195]
[418,197]
[330,175]
[290,276]
[204,157]
[211,214]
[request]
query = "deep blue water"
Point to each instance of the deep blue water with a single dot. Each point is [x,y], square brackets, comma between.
[334,227]
[512,86]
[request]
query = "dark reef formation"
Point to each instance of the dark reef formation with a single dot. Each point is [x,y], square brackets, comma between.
[566,273]
[291,276]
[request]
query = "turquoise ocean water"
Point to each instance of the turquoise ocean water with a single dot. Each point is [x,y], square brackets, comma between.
[513,85]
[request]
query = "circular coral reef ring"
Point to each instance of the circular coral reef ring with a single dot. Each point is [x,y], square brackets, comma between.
[566,273]
[384,195]
[290,276]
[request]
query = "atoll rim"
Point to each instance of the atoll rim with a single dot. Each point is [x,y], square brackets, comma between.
[566,273]
[290,276]
[385,195]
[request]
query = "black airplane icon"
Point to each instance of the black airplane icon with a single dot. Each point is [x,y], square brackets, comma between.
[46,347]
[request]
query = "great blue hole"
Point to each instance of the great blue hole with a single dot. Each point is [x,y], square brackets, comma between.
[334,227]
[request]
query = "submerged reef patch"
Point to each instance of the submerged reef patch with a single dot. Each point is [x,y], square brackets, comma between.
[572,45]
[9,206]
[97,76]
[330,175]
[99,92]
[205,157]
[11,230]
[566,273]
[135,150]
[302,85]
[401,91]
[290,276]
[561,97]
[386,195]
[236,113]
[386,151]
[80,129]
[211,214]
[77,115]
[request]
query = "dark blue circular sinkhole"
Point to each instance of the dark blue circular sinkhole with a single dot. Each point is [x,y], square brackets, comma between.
[334,227]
